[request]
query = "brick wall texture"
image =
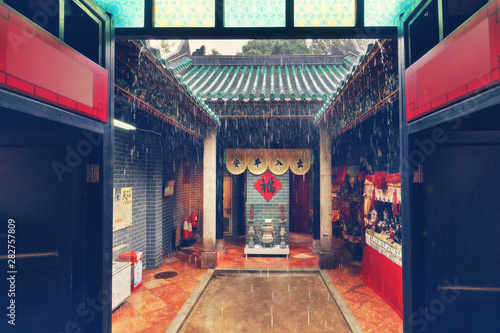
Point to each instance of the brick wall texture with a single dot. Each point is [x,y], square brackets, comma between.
[271,209]
[143,163]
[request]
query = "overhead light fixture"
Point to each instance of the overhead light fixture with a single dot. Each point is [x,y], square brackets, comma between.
[123,125]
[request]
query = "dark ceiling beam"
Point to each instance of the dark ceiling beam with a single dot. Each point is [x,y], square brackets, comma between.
[257,33]
[298,116]
[124,97]
[219,14]
[360,13]
[148,14]
[289,13]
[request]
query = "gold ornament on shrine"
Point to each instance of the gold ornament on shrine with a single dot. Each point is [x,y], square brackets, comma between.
[301,163]
[278,164]
[257,164]
[236,164]
[278,161]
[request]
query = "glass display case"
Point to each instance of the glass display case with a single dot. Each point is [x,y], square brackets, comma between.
[382,222]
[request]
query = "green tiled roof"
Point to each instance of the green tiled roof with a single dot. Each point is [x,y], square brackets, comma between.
[260,80]
[286,78]
[180,65]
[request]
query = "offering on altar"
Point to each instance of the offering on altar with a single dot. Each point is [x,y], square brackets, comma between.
[384,225]
[398,234]
[372,222]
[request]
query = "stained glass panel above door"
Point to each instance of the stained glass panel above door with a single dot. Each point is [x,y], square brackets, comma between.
[379,13]
[126,13]
[324,13]
[254,13]
[184,13]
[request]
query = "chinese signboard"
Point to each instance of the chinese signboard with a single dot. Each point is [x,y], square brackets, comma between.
[257,164]
[300,164]
[268,185]
[236,164]
[278,164]
[122,212]
[278,161]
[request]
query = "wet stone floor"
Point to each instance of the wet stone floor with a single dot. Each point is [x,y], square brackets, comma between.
[262,302]
[152,307]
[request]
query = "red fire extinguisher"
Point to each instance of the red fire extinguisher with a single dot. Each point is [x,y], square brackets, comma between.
[194,219]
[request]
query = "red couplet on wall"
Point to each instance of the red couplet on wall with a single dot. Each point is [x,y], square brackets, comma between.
[465,63]
[36,64]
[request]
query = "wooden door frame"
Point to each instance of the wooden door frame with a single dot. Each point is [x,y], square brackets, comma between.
[230,232]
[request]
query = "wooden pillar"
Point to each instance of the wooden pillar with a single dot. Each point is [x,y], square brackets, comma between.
[209,255]
[326,256]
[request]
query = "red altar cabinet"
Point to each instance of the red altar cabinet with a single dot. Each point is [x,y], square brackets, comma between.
[381,266]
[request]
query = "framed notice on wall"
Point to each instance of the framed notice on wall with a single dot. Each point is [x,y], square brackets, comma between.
[169,188]
[122,208]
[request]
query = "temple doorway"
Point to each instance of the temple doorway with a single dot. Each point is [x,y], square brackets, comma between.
[298,203]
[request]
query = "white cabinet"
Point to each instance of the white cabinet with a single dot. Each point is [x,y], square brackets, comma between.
[121,283]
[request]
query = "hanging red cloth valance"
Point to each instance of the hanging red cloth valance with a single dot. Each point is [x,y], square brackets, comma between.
[380,179]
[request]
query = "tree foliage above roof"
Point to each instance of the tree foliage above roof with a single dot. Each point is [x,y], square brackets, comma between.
[300,46]
[324,46]
[275,46]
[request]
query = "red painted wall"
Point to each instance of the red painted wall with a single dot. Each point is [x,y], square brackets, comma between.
[36,64]
[465,63]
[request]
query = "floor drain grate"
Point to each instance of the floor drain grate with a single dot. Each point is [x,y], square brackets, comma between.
[165,275]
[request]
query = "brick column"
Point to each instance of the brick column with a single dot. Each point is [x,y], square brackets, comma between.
[316,196]
[219,229]
[154,221]
[209,255]
[326,256]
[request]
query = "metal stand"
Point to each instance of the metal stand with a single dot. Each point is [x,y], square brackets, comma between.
[282,234]
[251,233]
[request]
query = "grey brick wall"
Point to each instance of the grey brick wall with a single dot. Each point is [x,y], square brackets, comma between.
[130,168]
[188,197]
[143,163]
[154,197]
